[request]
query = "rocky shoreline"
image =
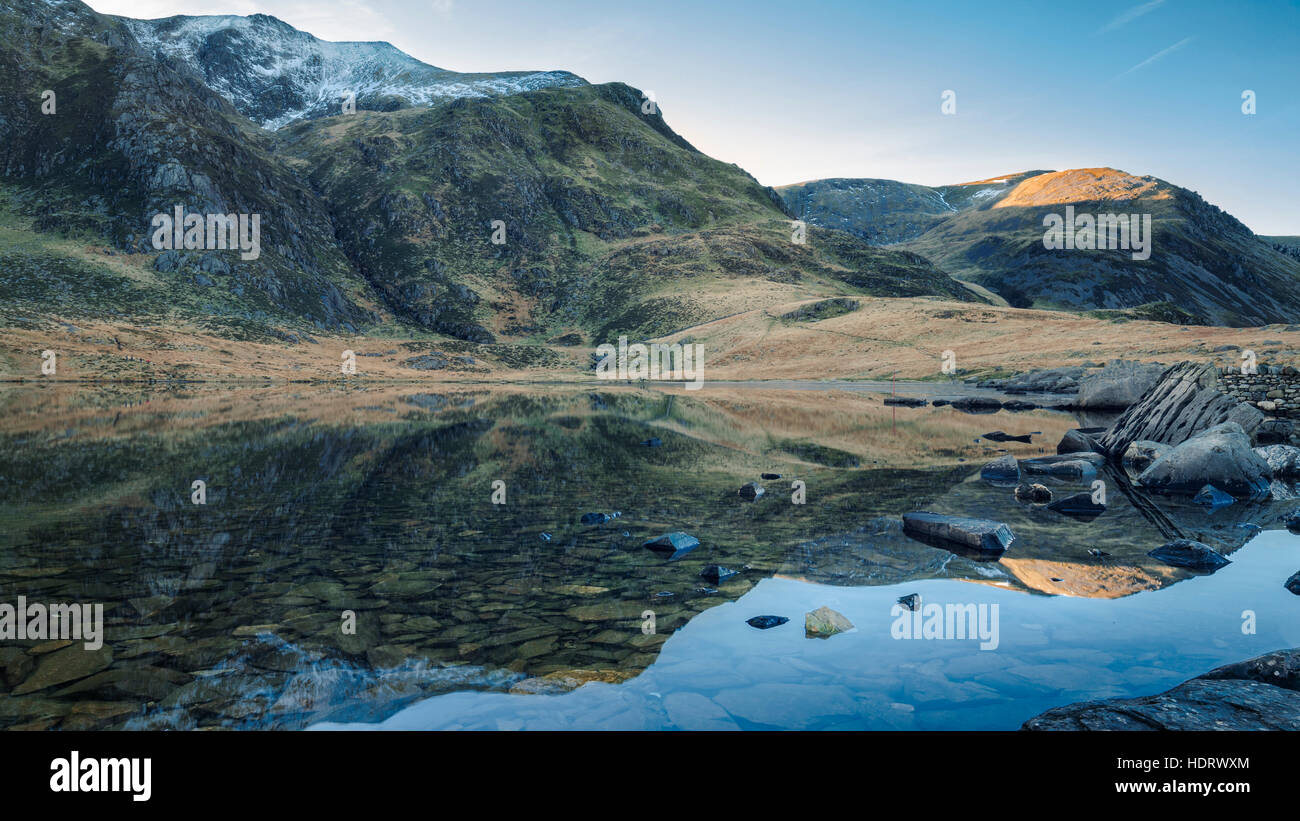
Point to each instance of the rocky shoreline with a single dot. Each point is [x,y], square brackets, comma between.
[1262,693]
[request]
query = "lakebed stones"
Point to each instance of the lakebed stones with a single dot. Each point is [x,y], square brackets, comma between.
[1189,554]
[1033,493]
[981,535]
[1003,470]
[824,622]
[1221,456]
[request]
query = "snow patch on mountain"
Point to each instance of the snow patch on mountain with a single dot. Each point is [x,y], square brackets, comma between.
[275,74]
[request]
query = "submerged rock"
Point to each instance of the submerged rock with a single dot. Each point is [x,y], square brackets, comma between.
[1212,497]
[599,518]
[1293,583]
[905,401]
[1004,469]
[766,622]
[771,476]
[1072,469]
[1038,494]
[983,535]
[824,622]
[716,574]
[1079,505]
[911,601]
[1221,456]
[676,543]
[1189,554]
[751,491]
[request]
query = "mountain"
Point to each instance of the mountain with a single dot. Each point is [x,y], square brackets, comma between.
[275,74]
[1205,266]
[378,219]
[885,211]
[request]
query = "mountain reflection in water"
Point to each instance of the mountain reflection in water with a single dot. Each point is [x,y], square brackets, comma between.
[378,502]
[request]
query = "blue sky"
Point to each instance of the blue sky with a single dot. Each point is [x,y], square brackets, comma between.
[802,90]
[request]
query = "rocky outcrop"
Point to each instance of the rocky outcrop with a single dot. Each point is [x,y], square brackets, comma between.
[1184,402]
[1262,693]
[1118,385]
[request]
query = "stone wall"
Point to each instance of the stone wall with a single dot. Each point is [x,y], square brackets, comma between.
[1274,390]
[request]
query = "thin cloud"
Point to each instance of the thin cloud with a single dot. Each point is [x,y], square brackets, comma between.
[1128,16]
[1157,56]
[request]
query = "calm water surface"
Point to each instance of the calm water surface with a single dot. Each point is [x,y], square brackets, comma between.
[376,505]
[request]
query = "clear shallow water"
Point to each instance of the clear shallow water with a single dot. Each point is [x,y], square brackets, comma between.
[719,673]
[378,502]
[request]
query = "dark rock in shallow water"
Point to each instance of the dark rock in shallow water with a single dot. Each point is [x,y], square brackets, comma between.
[1211,497]
[1079,505]
[911,601]
[766,622]
[983,535]
[1038,494]
[1019,405]
[751,491]
[999,436]
[653,442]
[939,403]
[905,401]
[1002,470]
[1221,456]
[1189,554]
[977,404]
[677,543]
[771,476]
[716,573]
[1293,583]
[599,518]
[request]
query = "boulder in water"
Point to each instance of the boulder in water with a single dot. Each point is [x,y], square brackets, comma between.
[1211,497]
[824,622]
[1189,554]
[751,491]
[1076,441]
[982,535]
[1079,505]
[677,543]
[1221,456]
[1293,583]
[1140,454]
[1002,470]
[1035,493]
[766,622]
[905,401]
[715,574]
